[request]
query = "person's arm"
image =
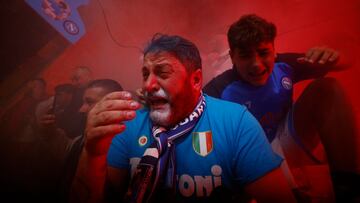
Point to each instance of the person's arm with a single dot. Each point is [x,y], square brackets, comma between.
[272,187]
[325,57]
[320,55]
[97,182]
[103,122]
[89,181]
[316,62]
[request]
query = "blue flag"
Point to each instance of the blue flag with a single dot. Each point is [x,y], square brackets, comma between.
[62,15]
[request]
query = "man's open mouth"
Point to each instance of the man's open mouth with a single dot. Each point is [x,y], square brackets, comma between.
[157,102]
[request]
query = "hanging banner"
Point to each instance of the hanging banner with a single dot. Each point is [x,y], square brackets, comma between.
[62,15]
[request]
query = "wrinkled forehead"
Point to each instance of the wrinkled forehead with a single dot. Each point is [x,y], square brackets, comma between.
[157,58]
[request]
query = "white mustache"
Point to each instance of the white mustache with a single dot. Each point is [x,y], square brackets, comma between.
[160,93]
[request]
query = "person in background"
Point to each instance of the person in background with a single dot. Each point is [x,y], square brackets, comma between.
[16,140]
[94,92]
[22,113]
[320,120]
[52,159]
[46,148]
[81,77]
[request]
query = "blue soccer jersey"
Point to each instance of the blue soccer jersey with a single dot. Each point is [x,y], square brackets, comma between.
[268,103]
[226,148]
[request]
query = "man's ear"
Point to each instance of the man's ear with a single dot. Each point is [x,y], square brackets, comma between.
[196,79]
[231,53]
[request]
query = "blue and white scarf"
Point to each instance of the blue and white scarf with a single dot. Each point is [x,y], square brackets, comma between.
[157,166]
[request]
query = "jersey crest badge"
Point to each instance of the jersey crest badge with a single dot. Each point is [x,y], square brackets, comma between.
[286,82]
[143,140]
[202,143]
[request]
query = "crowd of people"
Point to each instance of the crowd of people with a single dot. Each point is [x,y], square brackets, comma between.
[43,136]
[240,138]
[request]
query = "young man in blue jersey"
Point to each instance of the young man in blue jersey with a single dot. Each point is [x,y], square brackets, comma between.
[184,147]
[263,81]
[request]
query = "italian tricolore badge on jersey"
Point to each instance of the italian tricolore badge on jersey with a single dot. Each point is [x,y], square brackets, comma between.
[202,142]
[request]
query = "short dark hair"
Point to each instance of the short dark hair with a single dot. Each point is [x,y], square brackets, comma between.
[68,88]
[108,85]
[184,50]
[250,30]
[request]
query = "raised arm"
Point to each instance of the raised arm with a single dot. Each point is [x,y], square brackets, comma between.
[103,123]
[316,62]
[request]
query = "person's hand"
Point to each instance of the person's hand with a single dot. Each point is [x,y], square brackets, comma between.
[320,55]
[141,96]
[105,120]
